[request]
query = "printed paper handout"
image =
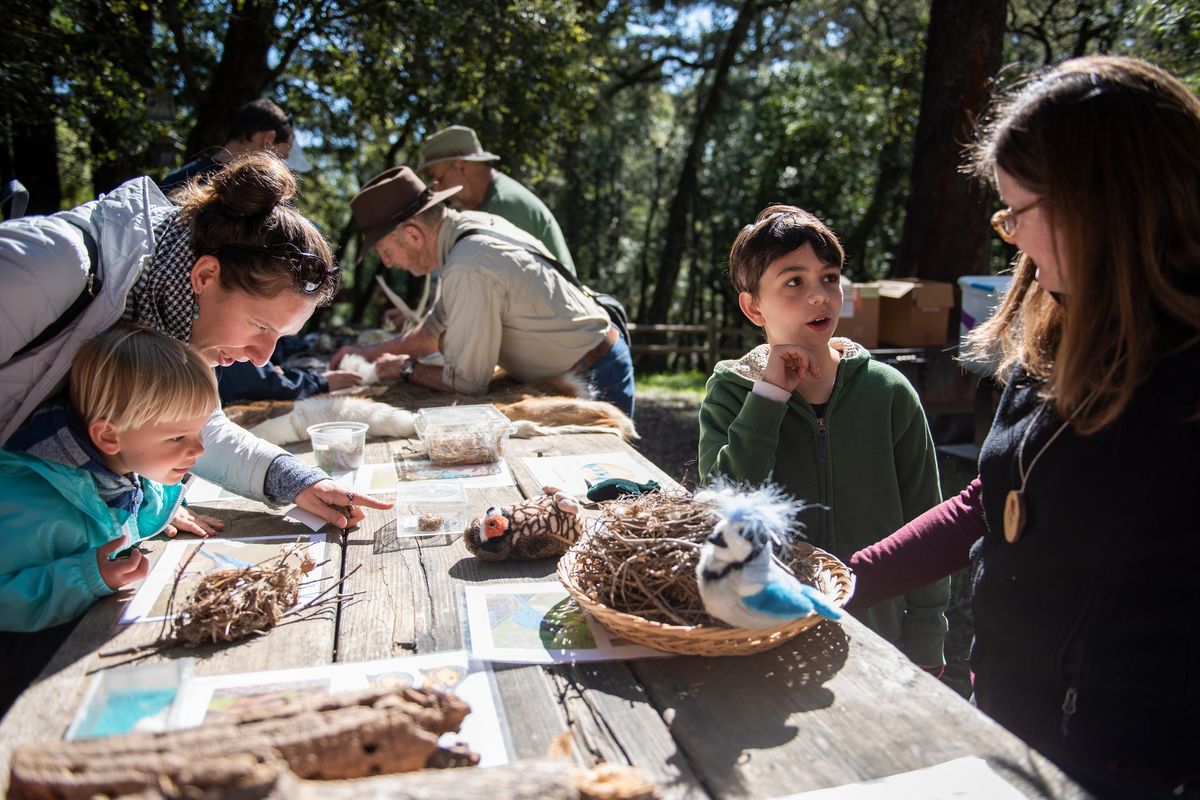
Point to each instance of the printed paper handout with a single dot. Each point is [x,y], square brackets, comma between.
[961,778]
[574,474]
[150,602]
[213,697]
[539,623]
[128,699]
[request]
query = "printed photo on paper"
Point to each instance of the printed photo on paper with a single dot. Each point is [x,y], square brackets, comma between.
[539,623]
[574,474]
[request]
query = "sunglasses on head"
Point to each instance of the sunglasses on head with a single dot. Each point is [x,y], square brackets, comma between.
[309,268]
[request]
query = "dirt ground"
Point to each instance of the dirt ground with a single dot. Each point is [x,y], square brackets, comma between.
[670,438]
[670,431]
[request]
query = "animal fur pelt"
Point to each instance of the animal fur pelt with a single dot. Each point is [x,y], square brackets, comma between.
[365,369]
[532,416]
[382,419]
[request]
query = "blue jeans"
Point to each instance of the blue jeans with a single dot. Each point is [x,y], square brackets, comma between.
[611,378]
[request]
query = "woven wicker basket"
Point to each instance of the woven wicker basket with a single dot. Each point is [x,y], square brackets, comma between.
[834,579]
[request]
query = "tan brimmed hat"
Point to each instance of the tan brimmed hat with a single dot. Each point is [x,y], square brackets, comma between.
[389,199]
[456,143]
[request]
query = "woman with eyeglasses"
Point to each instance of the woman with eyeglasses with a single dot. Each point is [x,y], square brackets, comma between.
[229,270]
[1081,530]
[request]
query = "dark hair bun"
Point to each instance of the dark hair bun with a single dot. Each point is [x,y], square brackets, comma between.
[253,185]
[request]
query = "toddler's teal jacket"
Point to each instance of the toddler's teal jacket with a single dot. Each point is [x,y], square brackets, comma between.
[52,520]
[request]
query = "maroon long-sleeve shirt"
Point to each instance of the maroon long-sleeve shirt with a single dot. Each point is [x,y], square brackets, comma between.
[932,546]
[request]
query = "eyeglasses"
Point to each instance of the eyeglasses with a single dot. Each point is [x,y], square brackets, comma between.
[1004,221]
[309,269]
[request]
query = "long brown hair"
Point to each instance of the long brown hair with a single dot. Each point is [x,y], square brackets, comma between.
[246,205]
[1111,146]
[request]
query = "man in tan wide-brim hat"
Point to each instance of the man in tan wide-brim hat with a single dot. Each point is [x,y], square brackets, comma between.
[454,157]
[501,302]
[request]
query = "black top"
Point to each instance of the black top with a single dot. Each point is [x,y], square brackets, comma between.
[1087,629]
[203,165]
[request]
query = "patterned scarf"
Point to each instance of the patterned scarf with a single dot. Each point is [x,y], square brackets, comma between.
[57,434]
[162,296]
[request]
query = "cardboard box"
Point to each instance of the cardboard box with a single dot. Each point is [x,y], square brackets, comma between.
[859,319]
[914,313]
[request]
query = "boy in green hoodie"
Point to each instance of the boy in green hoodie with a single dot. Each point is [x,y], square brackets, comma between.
[819,417]
[83,480]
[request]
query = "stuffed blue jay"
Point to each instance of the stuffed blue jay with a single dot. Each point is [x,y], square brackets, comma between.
[740,583]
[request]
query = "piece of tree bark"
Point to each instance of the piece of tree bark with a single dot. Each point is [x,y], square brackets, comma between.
[547,779]
[320,737]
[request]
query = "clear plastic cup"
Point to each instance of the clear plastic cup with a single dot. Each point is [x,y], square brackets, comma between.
[338,446]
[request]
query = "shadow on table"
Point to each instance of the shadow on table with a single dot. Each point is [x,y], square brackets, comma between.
[470,568]
[721,710]
[42,654]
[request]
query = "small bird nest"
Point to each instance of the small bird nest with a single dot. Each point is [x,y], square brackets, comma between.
[230,604]
[640,558]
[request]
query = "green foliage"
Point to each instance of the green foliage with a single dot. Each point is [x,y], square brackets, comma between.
[592,103]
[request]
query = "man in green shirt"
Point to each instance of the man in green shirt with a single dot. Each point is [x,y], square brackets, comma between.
[454,157]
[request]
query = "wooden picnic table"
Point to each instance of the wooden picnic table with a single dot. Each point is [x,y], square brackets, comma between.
[836,705]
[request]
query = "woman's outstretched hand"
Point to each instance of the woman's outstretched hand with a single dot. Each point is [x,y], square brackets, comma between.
[330,502]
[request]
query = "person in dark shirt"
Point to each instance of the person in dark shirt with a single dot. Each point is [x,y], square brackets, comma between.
[257,126]
[1080,531]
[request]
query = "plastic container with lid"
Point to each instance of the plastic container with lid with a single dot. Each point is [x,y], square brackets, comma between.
[472,434]
[430,507]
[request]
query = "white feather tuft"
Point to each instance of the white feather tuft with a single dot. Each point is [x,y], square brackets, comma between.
[768,505]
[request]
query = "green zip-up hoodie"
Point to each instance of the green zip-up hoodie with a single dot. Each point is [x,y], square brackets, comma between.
[869,459]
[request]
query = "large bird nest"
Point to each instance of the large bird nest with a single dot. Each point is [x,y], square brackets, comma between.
[640,557]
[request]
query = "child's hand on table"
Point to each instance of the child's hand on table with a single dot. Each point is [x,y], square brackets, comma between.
[200,524]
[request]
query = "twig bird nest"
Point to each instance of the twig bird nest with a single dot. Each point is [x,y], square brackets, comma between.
[640,558]
[230,604]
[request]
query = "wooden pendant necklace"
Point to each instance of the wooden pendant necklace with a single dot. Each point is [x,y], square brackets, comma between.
[1014,502]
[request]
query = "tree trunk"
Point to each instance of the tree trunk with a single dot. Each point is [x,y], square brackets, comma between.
[35,159]
[243,74]
[115,141]
[30,141]
[675,233]
[945,224]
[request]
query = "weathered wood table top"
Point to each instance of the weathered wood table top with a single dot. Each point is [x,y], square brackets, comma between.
[836,705]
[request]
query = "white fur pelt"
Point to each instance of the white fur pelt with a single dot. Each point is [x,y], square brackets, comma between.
[381,419]
[353,362]
[396,423]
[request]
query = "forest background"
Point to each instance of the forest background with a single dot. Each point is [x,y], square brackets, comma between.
[654,130]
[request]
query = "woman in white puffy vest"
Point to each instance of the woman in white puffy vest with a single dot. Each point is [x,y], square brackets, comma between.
[228,271]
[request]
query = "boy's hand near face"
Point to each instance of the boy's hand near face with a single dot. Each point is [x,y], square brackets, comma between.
[788,365]
[122,571]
